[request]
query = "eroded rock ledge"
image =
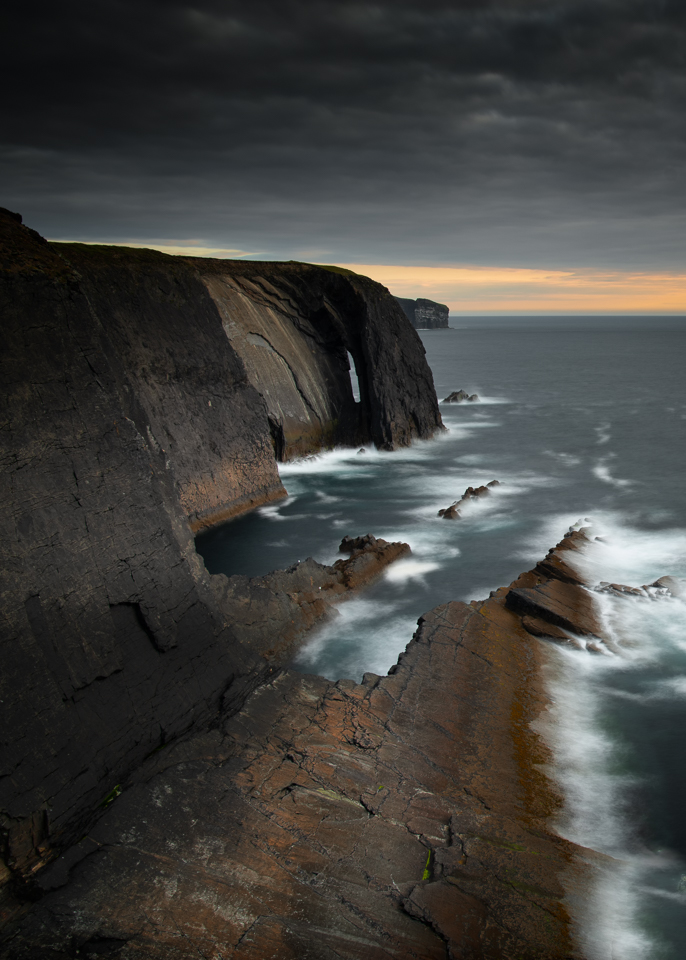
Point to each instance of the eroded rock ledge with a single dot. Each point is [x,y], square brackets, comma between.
[406,816]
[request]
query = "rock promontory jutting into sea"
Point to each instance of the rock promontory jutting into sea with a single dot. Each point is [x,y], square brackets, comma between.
[169,788]
[425,314]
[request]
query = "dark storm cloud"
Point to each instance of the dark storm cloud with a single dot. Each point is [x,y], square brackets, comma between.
[521,132]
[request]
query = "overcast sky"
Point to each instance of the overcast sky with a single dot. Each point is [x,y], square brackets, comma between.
[519,133]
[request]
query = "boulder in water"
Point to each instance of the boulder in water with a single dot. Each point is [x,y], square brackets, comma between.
[471,493]
[458,396]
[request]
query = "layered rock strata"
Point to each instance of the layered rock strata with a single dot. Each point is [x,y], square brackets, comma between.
[294,325]
[404,816]
[131,419]
[425,314]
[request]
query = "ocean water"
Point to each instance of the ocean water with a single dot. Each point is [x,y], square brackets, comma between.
[579,419]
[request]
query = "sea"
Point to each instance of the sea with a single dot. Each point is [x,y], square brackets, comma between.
[582,420]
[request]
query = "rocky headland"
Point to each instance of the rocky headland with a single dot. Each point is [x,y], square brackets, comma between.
[144,397]
[405,816]
[425,314]
[170,789]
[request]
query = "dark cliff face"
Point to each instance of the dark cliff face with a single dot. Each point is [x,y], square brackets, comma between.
[425,314]
[111,639]
[294,323]
[130,419]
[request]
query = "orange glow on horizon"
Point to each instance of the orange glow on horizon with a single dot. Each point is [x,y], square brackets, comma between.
[473,289]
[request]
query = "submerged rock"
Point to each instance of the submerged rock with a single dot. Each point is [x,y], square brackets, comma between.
[664,586]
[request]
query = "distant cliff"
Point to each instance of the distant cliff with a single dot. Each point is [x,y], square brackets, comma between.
[425,314]
[144,397]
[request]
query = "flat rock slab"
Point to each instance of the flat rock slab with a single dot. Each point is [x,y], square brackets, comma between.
[406,816]
[565,605]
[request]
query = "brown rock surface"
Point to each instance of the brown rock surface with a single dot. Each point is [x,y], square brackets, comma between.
[551,598]
[557,563]
[672,586]
[406,816]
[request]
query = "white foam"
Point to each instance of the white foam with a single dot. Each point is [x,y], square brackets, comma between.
[494,400]
[602,472]
[476,423]
[641,630]
[348,462]
[326,498]
[619,552]
[471,459]
[609,930]
[674,687]
[403,570]
[566,459]
[273,512]
[385,636]
[630,555]
[436,541]
[583,753]
[594,815]
[603,431]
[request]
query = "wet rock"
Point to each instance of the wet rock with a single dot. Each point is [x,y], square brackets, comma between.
[559,562]
[271,613]
[459,396]
[552,598]
[542,628]
[561,604]
[672,586]
[471,493]
[363,820]
[368,558]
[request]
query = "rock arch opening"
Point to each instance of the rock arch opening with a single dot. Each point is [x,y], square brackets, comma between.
[354,380]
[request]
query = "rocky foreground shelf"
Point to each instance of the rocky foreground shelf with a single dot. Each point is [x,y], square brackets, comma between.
[405,816]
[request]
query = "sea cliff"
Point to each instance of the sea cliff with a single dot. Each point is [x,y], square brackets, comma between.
[425,314]
[134,413]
